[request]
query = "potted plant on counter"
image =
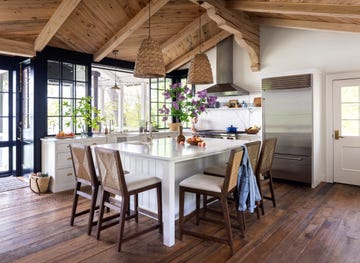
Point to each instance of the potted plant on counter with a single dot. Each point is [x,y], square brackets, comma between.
[83,115]
[184,105]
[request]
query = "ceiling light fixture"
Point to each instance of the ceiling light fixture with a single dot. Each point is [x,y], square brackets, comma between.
[150,59]
[200,68]
[115,87]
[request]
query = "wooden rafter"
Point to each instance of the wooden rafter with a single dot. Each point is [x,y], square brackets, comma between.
[314,9]
[64,10]
[136,22]
[246,34]
[308,25]
[185,32]
[204,47]
[16,48]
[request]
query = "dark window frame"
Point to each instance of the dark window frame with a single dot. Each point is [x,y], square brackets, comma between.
[61,81]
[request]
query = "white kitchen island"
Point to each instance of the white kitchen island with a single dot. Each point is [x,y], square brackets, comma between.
[171,162]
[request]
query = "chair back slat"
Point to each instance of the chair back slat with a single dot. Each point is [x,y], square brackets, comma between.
[232,170]
[253,152]
[111,171]
[266,155]
[83,163]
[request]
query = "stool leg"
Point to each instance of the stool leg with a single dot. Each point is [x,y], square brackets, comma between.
[226,216]
[75,202]
[94,193]
[272,189]
[136,204]
[159,203]
[105,196]
[197,208]
[122,221]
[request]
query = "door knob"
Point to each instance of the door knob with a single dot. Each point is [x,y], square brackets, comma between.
[337,135]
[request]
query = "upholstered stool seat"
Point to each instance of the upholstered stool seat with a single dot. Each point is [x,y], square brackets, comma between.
[135,182]
[204,182]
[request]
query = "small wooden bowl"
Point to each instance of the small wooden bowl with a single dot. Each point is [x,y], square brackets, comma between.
[255,131]
[193,142]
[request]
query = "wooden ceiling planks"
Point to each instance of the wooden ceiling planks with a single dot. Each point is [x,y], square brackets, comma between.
[174,24]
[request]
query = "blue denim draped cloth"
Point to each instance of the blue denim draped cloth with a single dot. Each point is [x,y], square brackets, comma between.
[247,190]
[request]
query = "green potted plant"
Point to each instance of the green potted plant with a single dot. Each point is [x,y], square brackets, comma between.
[83,114]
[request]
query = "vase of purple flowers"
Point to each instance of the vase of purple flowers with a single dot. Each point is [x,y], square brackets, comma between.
[184,105]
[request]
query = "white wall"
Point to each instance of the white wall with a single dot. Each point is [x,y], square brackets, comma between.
[288,51]
[285,50]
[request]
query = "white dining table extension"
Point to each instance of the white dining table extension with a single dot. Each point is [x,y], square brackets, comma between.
[172,162]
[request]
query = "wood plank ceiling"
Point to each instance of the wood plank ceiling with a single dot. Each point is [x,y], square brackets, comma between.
[100,26]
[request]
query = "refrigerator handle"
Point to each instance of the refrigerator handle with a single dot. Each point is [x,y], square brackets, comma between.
[288,157]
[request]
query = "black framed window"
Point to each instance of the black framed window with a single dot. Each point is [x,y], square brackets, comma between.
[157,100]
[65,82]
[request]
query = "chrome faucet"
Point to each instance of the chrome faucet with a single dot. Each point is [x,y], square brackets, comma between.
[149,136]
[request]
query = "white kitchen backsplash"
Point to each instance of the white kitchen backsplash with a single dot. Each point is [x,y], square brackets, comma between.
[223,117]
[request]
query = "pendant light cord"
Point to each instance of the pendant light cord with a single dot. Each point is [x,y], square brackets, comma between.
[200,2]
[149,17]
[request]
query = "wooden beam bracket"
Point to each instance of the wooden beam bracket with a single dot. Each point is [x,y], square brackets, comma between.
[246,34]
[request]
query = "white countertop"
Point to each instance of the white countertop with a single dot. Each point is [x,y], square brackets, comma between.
[168,149]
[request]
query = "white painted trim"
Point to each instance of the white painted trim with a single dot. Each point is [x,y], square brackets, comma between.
[329,144]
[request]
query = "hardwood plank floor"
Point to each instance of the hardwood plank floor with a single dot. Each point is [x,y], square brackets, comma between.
[308,225]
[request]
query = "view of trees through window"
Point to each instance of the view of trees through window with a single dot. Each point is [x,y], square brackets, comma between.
[126,108]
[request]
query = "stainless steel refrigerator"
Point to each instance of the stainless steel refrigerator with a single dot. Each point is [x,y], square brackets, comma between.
[287,115]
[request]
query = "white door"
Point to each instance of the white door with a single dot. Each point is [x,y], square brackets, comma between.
[346,120]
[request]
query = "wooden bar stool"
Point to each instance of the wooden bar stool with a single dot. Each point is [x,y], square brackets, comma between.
[114,182]
[219,187]
[84,172]
[253,152]
[263,171]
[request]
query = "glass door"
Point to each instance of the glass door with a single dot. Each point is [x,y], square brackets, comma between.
[25,126]
[7,124]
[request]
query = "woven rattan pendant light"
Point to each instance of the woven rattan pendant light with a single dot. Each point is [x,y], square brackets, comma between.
[115,87]
[150,60]
[200,68]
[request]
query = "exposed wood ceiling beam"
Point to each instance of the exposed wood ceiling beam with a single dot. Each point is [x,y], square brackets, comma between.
[185,32]
[331,10]
[16,48]
[136,22]
[190,55]
[246,34]
[308,25]
[64,10]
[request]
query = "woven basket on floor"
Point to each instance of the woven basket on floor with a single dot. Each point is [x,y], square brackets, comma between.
[39,184]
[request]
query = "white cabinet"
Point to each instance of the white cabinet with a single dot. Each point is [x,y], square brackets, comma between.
[56,160]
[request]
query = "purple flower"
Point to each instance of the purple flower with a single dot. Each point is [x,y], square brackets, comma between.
[165,118]
[211,100]
[180,97]
[166,95]
[175,105]
[187,90]
[202,108]
[202,94]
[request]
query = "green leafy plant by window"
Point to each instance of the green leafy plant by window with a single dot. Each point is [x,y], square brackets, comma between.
[83,113]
